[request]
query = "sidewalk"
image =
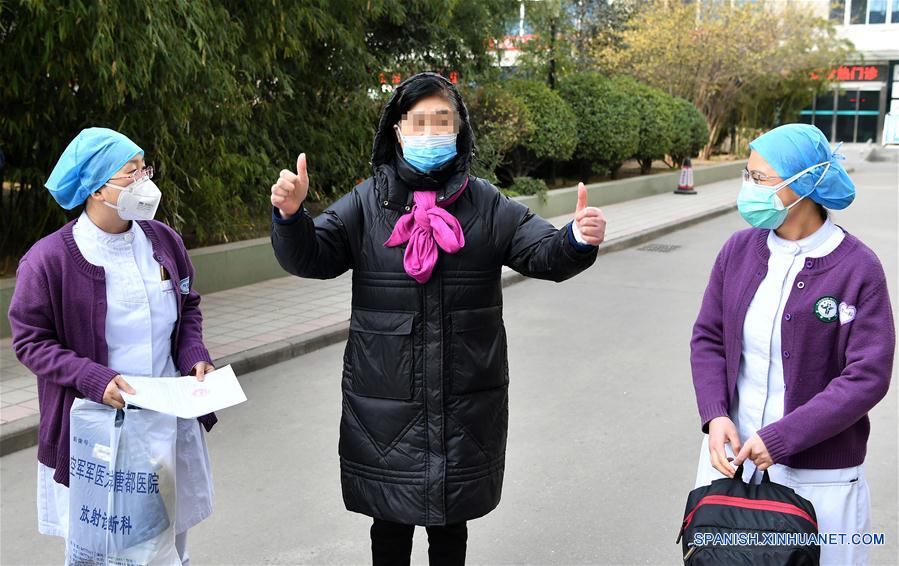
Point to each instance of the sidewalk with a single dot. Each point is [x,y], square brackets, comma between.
[242,329]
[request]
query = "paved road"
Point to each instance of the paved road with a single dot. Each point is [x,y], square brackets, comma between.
[603,434]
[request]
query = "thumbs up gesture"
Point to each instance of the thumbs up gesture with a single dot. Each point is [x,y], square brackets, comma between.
[290,190]
[590,221]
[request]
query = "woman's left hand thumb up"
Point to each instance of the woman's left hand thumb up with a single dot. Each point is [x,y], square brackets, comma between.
[591,222]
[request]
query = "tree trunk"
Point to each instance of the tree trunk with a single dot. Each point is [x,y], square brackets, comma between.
[714,129]
[552,54]
[584,170]
[613,170]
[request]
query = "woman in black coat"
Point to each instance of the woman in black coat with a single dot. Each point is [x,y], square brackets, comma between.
[425,370]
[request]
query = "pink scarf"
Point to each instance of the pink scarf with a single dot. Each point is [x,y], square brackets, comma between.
[425,227]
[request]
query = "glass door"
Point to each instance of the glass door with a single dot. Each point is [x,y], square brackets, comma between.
[849,116]
[867,114]
[847,106]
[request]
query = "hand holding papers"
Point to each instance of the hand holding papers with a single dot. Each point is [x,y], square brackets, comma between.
[186,397]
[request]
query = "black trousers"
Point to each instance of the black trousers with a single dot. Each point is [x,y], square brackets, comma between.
[391,544]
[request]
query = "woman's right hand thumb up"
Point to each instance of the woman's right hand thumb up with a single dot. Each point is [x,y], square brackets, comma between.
[290,190]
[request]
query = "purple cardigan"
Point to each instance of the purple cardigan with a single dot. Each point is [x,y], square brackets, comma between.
[58,320]
[833,373]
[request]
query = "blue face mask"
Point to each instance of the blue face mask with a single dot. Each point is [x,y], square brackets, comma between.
[759,204]
[428,152]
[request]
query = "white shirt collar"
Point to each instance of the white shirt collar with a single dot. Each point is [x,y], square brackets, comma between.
[85,228]
[804,246]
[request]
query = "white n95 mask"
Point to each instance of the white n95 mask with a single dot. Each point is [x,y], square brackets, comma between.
[137,201]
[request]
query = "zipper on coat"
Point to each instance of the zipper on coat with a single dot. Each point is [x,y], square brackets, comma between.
[424,395]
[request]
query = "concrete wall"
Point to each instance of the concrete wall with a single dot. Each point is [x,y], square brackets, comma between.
[7,284]
[233,265]
[242,263]
[563,201]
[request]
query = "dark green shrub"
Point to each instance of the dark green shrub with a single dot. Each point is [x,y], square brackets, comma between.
[656,121]
[550,131]
[499,120]
[699,130]
[682,131]
[527,186]
[608,122]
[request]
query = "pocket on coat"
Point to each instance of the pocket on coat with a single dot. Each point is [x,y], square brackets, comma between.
[840,477]
[166,287]
[478,350]
[380,353]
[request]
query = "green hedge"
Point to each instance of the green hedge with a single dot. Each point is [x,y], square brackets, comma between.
[656,120]
[699,130]
[682,139]
[527,186]
[551,132]
[590,126]
[500,123]
[608,122]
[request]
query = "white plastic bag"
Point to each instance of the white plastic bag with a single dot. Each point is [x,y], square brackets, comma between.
[121,486]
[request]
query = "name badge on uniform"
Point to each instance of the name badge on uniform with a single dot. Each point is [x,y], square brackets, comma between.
[184,286]
[827,308]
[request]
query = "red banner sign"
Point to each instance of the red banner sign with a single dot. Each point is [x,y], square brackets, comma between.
[855,73]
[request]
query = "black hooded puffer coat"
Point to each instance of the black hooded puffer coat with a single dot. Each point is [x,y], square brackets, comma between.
[425,371]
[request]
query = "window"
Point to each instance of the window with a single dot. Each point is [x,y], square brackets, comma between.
[894,93]
[859,11]
[838,9]
[868,112]
[821,115]
[824,122]
[866,130]
[845,127]
[847,102]
[868,101]
[877,11]
[846,115]
[824,101]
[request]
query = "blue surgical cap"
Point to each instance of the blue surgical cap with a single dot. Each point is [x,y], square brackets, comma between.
[792,148]
[90,160]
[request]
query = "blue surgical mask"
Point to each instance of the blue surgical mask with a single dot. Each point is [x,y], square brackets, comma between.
[759,204]
[426,153]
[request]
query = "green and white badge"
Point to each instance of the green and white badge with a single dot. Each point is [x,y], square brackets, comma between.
[827,308]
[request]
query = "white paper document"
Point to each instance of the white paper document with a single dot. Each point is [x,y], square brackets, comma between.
[186,397]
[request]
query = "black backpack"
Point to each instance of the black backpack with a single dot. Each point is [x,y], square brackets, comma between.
[732,522]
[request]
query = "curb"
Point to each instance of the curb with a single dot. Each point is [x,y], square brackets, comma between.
[19,435]
[23,433]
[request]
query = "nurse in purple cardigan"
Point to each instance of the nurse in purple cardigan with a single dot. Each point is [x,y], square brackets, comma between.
[794,341]
[109,294]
